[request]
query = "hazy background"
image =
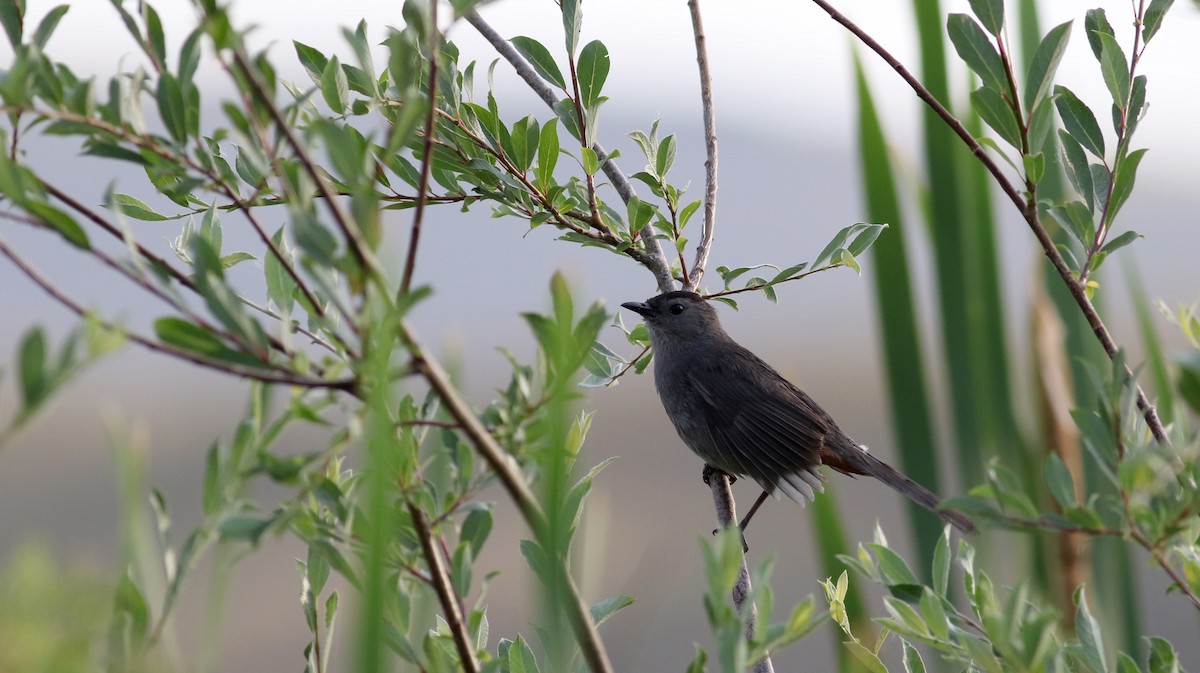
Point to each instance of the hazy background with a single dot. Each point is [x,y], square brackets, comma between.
[789,180]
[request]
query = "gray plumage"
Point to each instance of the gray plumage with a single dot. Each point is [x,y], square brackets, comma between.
[739,415]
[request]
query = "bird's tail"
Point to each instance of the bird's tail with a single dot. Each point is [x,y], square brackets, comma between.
[872,466]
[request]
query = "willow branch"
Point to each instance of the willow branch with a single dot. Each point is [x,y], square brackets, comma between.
[266,375]
[1028,211]
[514,484]
[656,259]
[440,580]
[710,148]
[414,239]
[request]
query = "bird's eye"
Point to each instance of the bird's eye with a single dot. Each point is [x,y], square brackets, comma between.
[676,309]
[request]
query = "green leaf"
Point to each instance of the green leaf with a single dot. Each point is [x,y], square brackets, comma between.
[1076,218]
[665,156]
[996,113]
[565,110]
[1058,479]
[990,13]
[243,528]
[941,563]
[1087,630]
[475,529]
[977,51]
[334,88]
[541,60]
[1078,170]
[912,659]
[313,61]
[1120,242]
[592,71]
[1123,179]
[235,258]
[1163,658]
[1035,166]
[171,107]
[1115,69]
[1079,121]
[591,163]
[520,656]
[280,284]
[59,221]
[547,156]
[525,137]
[572,13]
[134,208]
[46,28]
[1095,24]
[1151,23]
[12,15]
[608,607]
[1045,63]
[35,382]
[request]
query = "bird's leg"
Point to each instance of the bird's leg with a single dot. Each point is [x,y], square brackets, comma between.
[709,471]
[753,508]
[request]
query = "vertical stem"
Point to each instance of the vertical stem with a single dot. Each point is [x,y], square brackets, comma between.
[710,148]
[440,580]
[410,260]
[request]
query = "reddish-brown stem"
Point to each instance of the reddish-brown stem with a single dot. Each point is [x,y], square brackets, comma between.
[414,239]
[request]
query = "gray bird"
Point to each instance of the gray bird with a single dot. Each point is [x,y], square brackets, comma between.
[743,418]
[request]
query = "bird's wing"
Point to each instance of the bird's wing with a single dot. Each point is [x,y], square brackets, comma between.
[762,423]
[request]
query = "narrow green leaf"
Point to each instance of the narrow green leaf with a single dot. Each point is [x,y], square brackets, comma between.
[608,607]
[1163,657]
[572,13]
[912,659]
[997,114]
[1123,180]
[520,655]
[1045,63]
[171,107]
[311,60]
[1120,242]
[591,163]
[46,28]
[12,15]
[525,137]
[1153,19]
[1115,69]
[334,88]
[1087,630]
[1058,479]
[35,383]
[59,221]
[592,71]
[135,208]
[665,156]
[547,156]
[990,13]
[1095,24]
[565,110]
[1079,121]
[1076,219]
[541,60]
[977,51]
[1078,170]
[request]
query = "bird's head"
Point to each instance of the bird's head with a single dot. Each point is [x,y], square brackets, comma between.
[679,315]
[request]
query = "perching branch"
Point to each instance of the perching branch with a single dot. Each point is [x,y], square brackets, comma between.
[656,258]
[1027,208]
[710,148]
[727,516]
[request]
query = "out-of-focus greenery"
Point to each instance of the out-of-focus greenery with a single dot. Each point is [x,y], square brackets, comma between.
[390,507]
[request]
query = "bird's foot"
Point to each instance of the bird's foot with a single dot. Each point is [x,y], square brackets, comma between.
[745,547]
[709,471]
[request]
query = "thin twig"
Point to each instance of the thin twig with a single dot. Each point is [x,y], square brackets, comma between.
[513,482]
[710,148]
[656,257]
[1028,211]
[267,376]
[628,365]
[759,286]
[349,229]
[440,580]
[410,259]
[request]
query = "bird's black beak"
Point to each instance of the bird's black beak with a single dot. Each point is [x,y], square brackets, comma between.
[639,307]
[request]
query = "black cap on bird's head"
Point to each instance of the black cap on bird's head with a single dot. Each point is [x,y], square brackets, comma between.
[680,314]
